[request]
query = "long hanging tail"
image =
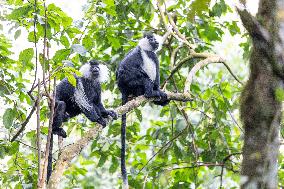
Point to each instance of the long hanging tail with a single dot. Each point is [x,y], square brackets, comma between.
[122,155]
[49,164]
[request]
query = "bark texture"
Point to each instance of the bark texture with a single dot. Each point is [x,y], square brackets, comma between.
[260,107]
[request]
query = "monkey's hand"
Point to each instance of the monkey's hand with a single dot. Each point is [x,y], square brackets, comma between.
[109,113]
[163,95]
[59,132]
[112,114]
[163,99]
[101,121]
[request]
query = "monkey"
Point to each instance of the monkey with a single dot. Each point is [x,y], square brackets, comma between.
[85,98]
[138,74]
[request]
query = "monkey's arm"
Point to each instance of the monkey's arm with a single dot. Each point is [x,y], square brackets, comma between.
[163,96]
[93,115]
[105,113]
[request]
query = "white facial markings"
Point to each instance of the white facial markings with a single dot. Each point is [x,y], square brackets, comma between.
[159,39]
[85,70]
[104,73]
[149,66]
[144,44]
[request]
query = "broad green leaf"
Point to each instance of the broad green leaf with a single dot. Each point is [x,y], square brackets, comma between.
[61,55]
[8,117]
[88,42]
[26,56]
[64,40]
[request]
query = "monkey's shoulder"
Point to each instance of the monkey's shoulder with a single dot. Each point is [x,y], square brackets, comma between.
[132,58]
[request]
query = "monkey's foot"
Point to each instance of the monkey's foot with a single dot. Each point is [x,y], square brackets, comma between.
[59,132]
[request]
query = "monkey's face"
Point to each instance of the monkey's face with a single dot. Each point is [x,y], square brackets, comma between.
[95,70]
[152,41]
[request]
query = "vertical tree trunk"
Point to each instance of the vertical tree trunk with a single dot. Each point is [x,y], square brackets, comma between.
[260,107]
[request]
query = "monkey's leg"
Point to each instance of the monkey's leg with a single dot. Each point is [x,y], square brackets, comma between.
[59,117]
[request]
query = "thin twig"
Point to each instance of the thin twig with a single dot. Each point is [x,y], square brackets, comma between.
[23,125]
[223,165]
[52,105]
[44,52]
[231,115]
[38,133]
[35,43]
[165,145]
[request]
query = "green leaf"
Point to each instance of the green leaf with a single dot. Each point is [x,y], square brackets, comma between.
[64,40]
[14,148]
[279,93]
[197,7]
[218,9]
[102,160]
[138,114]
[88,42]
[17,34]
[9,117]
[71,79]
[26,56]
[61,55]
[114,165]
[32,37]
[20,12]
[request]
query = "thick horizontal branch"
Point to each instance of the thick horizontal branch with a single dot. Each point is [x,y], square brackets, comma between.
[74,150]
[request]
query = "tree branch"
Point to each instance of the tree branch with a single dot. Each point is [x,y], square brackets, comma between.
[23,125]
[74,150]
[199,65]
[253,26]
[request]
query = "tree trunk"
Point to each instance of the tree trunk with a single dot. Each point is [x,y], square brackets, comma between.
[260,104]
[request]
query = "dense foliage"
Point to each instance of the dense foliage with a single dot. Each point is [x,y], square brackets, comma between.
[183,145]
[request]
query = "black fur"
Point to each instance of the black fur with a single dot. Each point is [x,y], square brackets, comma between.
[132,80]
[67,107]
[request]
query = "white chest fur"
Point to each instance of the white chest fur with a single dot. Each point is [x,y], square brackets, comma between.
[149,66]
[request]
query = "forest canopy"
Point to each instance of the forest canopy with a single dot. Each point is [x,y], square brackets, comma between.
[196,141]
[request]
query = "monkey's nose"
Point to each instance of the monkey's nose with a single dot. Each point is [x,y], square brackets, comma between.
[96,69]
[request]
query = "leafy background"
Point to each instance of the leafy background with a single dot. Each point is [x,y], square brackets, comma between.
[190,145]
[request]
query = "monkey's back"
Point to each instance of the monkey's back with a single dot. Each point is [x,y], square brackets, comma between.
[130,75]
